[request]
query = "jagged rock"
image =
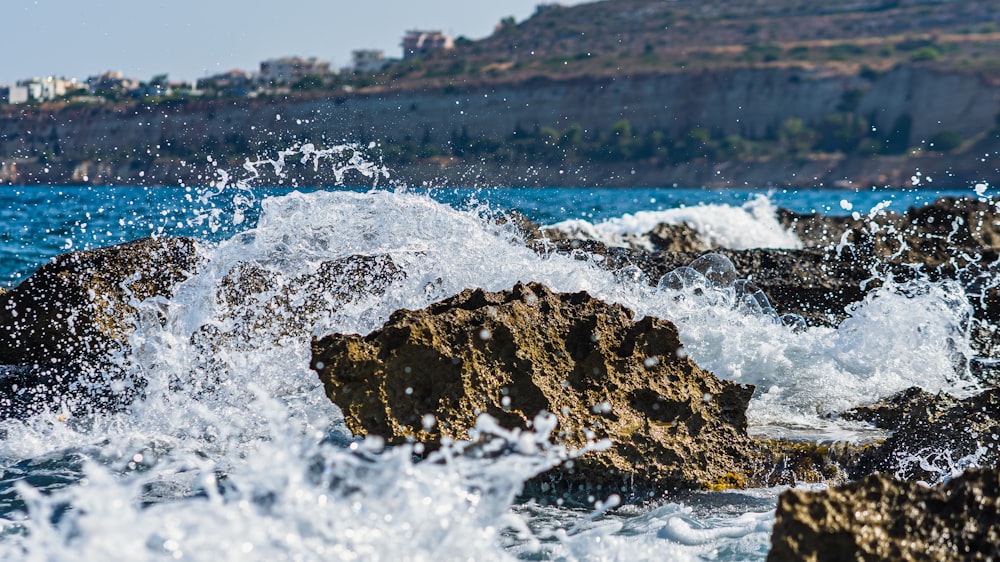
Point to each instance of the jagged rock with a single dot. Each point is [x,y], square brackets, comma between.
[933,236]
[428,374]
[263,300]
[934,435]
[81,304]
[811,283]
[880,518]
[60,326]
[844,259]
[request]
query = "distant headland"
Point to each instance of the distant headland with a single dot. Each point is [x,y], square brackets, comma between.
[885,93]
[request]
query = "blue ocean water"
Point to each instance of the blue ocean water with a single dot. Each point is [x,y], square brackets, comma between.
[38,223]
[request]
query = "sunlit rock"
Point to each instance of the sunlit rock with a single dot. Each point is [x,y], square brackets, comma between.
[880,518]
[428,374]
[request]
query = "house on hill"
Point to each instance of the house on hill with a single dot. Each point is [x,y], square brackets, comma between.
[416,42]
[288,70]
[365,61]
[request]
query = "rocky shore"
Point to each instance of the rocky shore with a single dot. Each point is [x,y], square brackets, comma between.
[656,421]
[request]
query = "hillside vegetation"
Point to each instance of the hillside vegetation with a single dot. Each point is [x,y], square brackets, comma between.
[616,36]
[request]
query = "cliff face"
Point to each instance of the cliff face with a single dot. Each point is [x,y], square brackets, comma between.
[749,102]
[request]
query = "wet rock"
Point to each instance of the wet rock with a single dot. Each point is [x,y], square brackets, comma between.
[899,409]
[677,238]
[934,436]
[61,328]
[814,229]
[259,299]
[524,226]
[946,234]
[428,374]
[880,518]
[81,305]
[811,283]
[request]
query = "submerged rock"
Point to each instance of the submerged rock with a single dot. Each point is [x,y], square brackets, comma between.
[428,374]
[880,518]
[82,304]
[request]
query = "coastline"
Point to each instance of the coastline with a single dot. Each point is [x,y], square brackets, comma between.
[888,172]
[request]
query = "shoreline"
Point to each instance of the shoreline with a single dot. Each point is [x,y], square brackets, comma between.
[837,172]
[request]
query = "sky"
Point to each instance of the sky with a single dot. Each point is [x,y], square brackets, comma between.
[190,39]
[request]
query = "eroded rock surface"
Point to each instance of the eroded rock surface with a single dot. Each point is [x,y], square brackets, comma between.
[880,518]
[428,374]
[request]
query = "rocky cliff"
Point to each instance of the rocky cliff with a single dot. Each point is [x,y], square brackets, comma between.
[78,145]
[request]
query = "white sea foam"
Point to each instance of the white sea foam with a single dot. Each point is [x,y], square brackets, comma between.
[752,225]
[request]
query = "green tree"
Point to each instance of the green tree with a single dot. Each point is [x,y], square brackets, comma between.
[944,141]
[929,53]
[840,132]
[795,137]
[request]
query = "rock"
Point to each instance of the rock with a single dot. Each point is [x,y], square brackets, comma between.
[933,436]
[880,518]
[60,328]
[946,234]
[255,305]
[677,238]
[811,283]
[428,374]
[664,237]
[814,229]
[259,299]
[901,408]
[80,305]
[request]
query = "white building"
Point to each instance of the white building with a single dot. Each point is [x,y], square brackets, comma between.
[40,89]
[366,61]
[288,70]
[417,42]
[111,81]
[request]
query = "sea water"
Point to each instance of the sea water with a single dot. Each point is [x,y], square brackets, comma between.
[235,453]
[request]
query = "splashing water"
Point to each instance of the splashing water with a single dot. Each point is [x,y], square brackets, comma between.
[754,225]
[233,452]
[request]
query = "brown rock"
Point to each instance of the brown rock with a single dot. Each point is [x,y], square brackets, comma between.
[81,304]
[880,518]
[257,304]
[515,353]
[677,238]
[902,408]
